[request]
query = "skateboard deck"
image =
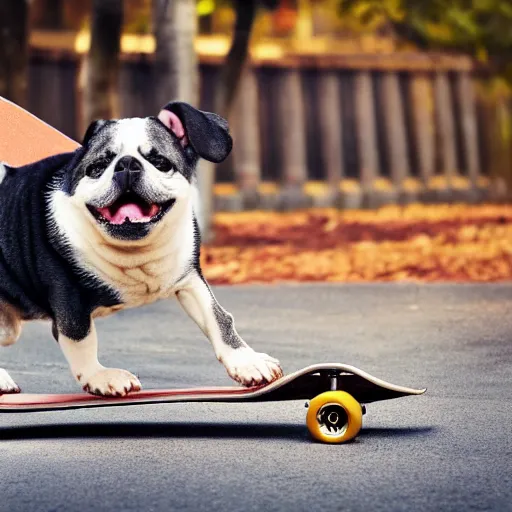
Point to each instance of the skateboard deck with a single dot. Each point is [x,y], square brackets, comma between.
[301,385]
[336,393]
[24,138]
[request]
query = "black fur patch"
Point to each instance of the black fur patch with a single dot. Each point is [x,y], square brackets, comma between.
[226,326]
[37,275]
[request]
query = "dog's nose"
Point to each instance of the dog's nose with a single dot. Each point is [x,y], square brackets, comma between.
[128,163]
[127,172]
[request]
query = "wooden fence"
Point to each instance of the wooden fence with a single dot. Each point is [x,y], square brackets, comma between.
[351,131]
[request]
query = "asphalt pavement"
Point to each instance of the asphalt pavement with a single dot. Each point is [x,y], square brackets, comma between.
[450,449]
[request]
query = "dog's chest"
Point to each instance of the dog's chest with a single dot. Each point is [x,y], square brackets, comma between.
[141,285]
[140,279]
[137,273]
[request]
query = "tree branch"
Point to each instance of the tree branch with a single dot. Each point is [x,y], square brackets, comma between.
[233,66]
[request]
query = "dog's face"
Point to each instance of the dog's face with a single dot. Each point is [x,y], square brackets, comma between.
[131,173]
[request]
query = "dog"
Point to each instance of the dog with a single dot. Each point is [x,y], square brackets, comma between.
[111,226]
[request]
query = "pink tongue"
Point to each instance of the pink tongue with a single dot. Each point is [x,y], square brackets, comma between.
[131,211]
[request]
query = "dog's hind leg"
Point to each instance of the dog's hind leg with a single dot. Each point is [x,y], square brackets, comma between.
[10,329]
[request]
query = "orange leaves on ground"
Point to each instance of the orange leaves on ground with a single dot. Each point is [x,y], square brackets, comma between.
[417,242]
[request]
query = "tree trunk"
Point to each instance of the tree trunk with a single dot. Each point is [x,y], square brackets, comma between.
[53,14]
[14,50]
[101,96]
[176,63]
[177,78]
[231,71]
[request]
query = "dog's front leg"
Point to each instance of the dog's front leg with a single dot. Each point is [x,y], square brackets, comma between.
[82,357]
[242,363]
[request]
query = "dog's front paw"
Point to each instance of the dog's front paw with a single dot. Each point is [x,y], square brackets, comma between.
[111,382]
[7,385]
[251,368]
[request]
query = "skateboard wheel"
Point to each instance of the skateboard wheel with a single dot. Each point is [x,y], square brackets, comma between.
[334,417]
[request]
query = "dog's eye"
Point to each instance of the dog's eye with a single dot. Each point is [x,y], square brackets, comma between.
[160,162]
[95,170]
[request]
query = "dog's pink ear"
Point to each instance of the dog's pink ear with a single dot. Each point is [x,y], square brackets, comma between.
[173,122]
[203,133]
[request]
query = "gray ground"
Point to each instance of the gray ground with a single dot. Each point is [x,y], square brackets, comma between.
[450,449]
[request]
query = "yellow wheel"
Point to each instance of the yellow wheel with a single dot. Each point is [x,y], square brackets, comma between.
[334,417]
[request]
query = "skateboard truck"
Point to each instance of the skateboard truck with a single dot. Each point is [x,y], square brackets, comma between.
[334,386]
[329,418]
[334,380]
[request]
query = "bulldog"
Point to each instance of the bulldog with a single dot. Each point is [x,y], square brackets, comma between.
[111,226]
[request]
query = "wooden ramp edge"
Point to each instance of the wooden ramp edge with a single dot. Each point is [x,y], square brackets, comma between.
[24,138]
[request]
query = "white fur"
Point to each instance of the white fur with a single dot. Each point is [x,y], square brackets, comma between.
[166,184]
[196,200]
[145,270]
[3,172]
[131,139]
[83,360]
[243,364]
[141,272]
[7,385]
[112,382]
[131,136]
[250,367]
[95,188]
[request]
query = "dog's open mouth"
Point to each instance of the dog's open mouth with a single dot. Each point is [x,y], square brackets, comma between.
[130,208]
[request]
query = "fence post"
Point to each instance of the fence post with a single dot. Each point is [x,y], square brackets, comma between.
[422,99]
[331,131]
[396,136]
[502,154]
[446,127]
[366,134]
[469,127]
[246,151]
[293,140]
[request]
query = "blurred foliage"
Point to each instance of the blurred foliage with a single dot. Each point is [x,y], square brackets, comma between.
[138,16]
[76,15]
[207,7]
[481,28]
[413,243]
[275,18]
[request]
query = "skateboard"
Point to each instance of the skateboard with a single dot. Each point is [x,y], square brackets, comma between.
[337,394]
[24,138]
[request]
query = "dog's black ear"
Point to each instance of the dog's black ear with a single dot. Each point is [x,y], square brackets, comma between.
[93,129]
[207,133]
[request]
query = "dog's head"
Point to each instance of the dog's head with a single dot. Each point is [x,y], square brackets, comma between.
[131,173]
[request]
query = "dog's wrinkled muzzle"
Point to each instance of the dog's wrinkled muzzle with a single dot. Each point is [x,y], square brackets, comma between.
[127,173]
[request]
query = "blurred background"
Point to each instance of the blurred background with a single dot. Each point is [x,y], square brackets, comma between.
[372,137]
